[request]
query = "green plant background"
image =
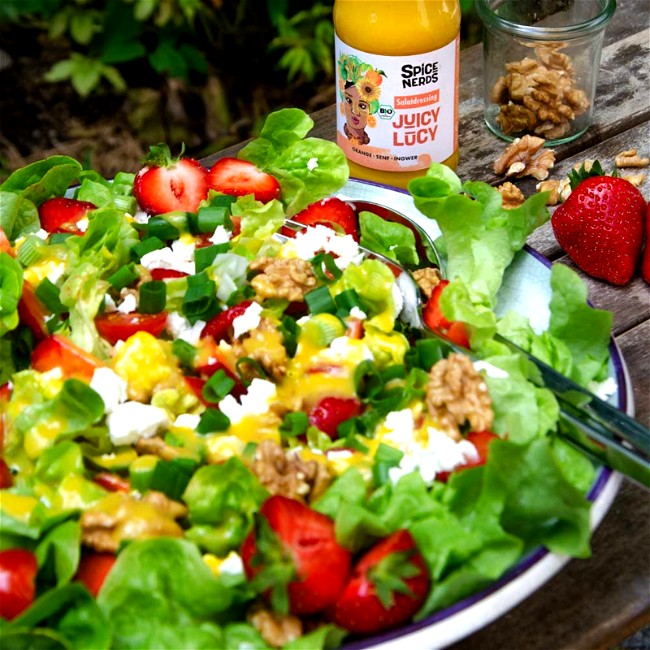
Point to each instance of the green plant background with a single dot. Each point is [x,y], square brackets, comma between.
[202,73]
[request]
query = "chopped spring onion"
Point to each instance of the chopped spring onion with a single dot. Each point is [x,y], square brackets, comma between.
[324,267]
[218,386]
[320,301]
[199,301]
[123,277]
[386,457]
[185,352]
[213,420]
[320,330]
[204,256]
[212,216]
[31,250]
[152,297]
[348,299]
[146,246]
[295,424]
[161,228]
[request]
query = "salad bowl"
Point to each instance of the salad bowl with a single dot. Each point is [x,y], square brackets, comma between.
[79,452]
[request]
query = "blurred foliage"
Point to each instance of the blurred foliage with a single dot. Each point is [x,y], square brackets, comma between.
[201,72]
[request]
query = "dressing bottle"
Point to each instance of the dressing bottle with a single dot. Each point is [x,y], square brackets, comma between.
[397,64]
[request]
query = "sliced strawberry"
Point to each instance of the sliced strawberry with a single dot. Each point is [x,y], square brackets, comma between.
[5,244]
[330,212]
[63,215]
[304,539]
[386,588]
[166,274]
[166,184]
[241,177]
[329,412]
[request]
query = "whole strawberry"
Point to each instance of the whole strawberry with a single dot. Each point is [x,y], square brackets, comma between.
[600,227]
[645,260]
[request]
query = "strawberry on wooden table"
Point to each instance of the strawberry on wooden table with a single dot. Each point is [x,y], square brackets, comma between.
[165,184]
[600,226]
[240,177]
[62,215]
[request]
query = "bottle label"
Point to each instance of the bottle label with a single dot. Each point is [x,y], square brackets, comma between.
[397,113]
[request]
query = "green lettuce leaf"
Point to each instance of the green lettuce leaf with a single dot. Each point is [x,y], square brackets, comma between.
[11,288]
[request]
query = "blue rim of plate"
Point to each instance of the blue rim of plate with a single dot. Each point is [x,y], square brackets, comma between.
[541,561]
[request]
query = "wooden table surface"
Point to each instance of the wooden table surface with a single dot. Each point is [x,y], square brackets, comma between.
[591,604]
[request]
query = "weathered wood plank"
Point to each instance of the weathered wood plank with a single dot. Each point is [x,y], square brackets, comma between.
[635,347]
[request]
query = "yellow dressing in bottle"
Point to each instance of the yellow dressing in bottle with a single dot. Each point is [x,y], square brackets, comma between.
[397,86]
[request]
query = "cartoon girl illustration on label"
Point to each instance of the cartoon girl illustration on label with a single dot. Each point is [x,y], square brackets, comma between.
[359,92]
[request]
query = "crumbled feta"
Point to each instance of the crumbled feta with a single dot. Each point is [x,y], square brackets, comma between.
[131,421]
[490,370]
[141,217]
[355,312]
[344,349]
[180,257]
[128,304]
[220,235]
[310,241]
[82,224]
[247,321]
[42,234]
[109,304]
[232,565]
[110,386]
[255,402]
[312,163]
[187,421]
[438,453]
[181,328]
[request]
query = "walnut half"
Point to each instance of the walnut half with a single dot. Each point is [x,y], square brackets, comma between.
[526,157]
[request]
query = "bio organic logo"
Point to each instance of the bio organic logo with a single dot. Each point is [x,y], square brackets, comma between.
[386,112]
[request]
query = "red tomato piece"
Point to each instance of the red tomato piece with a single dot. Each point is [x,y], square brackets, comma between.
[18,569]
[33,313]
[219,326]
[321,563]
[369,602]
[435,320]
[329,412]
[93,569]
[240,177]
[115,326]
[59,214]
[59,352]
[166,274]
[6,479]
[330,212]
[481,440]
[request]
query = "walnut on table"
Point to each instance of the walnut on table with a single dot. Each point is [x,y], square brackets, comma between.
[630,158]
[511,196]
[526,157]
[457,394]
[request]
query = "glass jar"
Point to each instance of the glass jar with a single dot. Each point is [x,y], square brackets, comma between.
[397,67]
[541,62]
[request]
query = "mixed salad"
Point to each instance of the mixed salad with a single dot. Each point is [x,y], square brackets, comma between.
[223,431]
